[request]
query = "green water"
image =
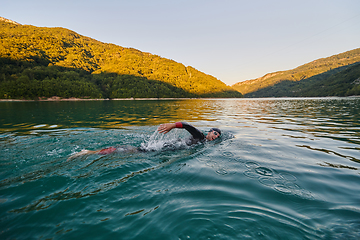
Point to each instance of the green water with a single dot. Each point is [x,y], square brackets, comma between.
[284,169]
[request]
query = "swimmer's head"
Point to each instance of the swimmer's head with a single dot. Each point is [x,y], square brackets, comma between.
[213,134]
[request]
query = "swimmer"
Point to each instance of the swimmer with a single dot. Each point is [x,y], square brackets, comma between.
[196,134]
[196,137]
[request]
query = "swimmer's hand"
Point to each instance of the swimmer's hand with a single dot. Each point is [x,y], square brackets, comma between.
[167,127]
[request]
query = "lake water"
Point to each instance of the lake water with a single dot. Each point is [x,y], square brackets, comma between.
[283,169]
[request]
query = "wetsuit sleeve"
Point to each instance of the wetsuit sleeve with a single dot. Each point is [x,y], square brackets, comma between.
[196,133]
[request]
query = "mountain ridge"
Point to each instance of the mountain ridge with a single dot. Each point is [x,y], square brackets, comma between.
[9,21]
[109,68]
[271,83]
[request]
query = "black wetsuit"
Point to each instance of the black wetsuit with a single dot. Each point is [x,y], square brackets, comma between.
[196,134]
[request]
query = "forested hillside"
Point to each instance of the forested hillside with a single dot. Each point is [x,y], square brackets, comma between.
[38,62]
[333,76]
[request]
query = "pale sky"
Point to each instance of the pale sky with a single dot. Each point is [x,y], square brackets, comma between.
[232,40]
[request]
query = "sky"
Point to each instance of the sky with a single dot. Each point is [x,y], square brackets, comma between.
[232,40]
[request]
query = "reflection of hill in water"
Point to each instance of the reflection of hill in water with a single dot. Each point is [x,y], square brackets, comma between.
[104,114]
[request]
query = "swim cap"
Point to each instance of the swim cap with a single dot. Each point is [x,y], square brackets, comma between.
[216,129]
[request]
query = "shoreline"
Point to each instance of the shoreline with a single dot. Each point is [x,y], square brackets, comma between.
[58,99]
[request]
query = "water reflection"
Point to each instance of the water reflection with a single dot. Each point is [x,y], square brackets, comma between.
[25,116]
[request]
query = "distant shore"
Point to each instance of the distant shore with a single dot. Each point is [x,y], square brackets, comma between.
[58,99]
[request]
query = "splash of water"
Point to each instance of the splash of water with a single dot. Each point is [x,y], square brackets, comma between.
[159,141]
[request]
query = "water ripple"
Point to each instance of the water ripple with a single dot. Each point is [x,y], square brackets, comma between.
[284,168]
[284,183]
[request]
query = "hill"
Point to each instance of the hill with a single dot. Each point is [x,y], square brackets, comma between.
[332,76]
[44,62]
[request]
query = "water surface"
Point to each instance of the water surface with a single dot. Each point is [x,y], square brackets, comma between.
[284,169]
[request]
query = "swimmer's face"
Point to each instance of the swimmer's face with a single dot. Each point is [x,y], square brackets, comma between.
[212,135]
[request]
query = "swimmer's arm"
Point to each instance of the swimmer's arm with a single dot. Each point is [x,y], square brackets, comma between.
[167,127]
[196,133]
